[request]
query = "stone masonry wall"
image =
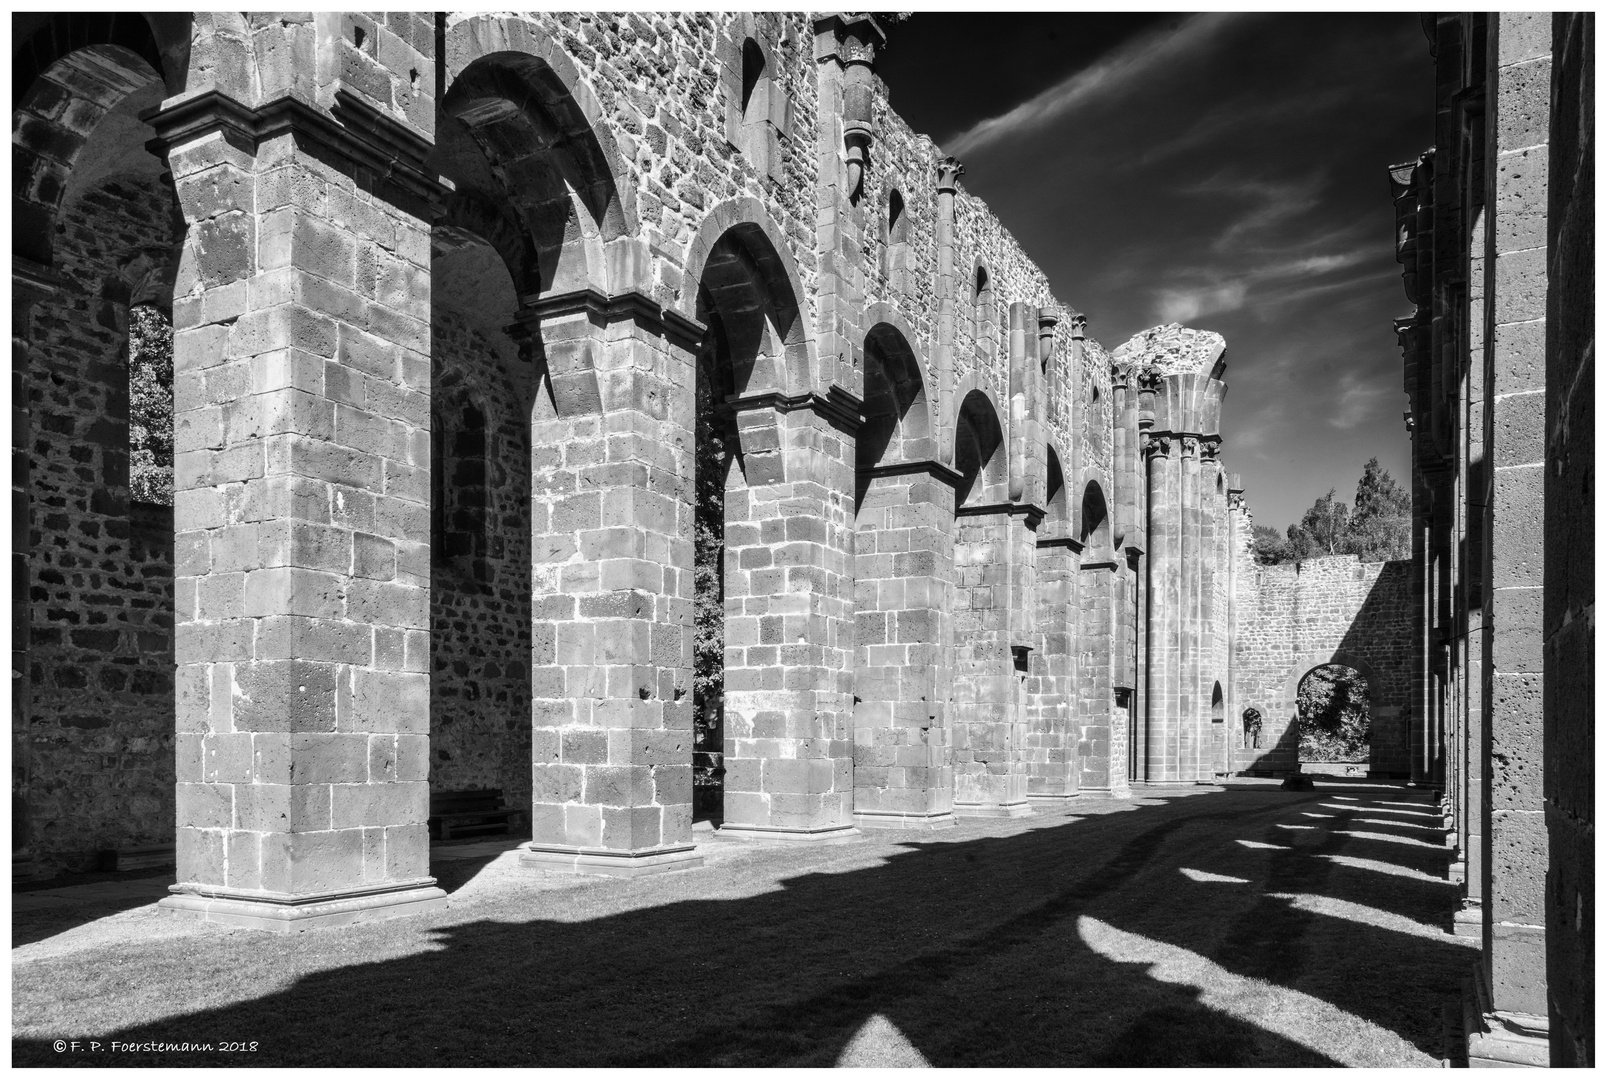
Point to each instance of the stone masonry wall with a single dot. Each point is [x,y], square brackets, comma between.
[102,586]
[1294,617]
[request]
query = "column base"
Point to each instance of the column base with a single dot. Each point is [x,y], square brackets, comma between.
[896,819]
[283,913]
[1045,801]
[1468,921]
[1502,1040]
[831,834]
[992,810]
[565,860]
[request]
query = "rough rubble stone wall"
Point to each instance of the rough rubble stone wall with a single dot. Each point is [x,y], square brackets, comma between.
[1294,617]
[102,582]
[657,78]
[480,605]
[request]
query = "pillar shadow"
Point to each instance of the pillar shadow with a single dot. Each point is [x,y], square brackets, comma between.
[975,950]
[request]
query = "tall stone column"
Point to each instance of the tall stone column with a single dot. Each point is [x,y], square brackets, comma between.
[611,529]
[789,623]
[1052,765]
[949,171]
[301,480]
[989,731]
[1162,728]
[1191,750]
[1515,1007]
[903,777]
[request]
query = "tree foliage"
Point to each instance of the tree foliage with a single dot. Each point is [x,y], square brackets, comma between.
[708,568]
[1334,722]
[150,406]
[1377,526]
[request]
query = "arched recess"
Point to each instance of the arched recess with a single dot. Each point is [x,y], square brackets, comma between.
[1097,626]
[898,412]
[895,228]
[979,453]
[984,313]
[748,284]
[738,266]
[1057,521]
[95,233]
[69,71]
[1094,526]
[514,67]
[546,158]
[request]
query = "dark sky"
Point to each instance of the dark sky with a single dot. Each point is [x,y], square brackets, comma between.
[1223,171]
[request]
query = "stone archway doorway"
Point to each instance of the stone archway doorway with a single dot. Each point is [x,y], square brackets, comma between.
[1334,719]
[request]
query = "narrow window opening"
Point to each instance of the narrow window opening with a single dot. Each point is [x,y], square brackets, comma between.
[150,406]
[752,71]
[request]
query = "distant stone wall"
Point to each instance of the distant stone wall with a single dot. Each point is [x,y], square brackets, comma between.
[480,593]
[1297,616]
[101,657]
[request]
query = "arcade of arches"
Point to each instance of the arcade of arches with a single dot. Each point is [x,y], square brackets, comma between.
[504,346]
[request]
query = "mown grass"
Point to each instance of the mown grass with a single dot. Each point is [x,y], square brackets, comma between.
[1062,940]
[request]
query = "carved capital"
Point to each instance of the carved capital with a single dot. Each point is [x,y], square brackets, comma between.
[1157,446]
[1191,446]
[949,171]
[1149,379]
[1210,448]
[1079,325]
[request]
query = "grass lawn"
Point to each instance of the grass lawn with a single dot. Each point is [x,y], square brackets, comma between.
[1249,926]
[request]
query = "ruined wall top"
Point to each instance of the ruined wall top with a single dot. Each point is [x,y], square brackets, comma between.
[1175,349]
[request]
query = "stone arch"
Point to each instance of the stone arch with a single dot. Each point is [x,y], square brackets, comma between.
[536,63]
[739,270]
[980,456]
[1094,525]
[910,436]
[1311,661]
[893,209]
[470,216]
[1057,518]
[984,311]
[68,73]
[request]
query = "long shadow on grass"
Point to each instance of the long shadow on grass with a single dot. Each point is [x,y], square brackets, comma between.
[974,949]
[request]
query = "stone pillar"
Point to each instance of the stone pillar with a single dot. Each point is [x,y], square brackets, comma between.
[989,775]
[1098,580]
[903,776]
[949,171]
[789,623]
[1164,700]
[611,547]
[301,479]
[1516,1008]
[1191,749]
[1052,761]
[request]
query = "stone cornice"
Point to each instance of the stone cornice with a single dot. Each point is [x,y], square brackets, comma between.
[1071,542]
[364,135]
[936,469]
[836,405]
[1032,514]
[682,331]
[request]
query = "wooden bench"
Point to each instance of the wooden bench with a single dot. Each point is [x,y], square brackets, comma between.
[459,813]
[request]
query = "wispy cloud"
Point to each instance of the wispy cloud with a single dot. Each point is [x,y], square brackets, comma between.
[1268,283]
[1245,114]
[1121,68]
[1358,401]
